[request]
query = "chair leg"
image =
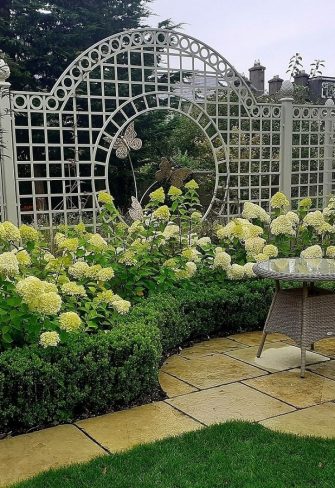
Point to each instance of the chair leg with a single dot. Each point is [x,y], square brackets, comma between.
[260,348]
[303,330]
[303,361]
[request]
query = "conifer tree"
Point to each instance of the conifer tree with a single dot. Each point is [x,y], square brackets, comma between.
[41,38]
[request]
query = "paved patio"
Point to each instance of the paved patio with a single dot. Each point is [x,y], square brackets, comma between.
[214,381]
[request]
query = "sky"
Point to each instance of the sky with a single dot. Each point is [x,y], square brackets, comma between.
[243,31]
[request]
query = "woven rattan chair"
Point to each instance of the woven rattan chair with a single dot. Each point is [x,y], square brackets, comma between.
[305,314]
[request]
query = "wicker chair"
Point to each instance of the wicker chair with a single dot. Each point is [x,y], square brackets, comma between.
[305,314]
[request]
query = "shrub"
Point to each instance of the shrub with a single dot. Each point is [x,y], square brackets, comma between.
[50,291]
[106,371]
[85,376]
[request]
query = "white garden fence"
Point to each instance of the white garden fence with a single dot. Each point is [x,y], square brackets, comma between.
[56,147]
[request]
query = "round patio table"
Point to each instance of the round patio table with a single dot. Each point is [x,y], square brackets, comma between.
[306,314]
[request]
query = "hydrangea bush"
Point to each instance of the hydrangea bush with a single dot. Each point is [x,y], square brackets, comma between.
[258,236]
[47,296]
[81,281]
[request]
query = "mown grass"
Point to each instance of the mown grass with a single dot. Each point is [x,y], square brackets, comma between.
[233,455]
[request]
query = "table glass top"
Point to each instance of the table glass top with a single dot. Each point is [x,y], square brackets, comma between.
[297,269]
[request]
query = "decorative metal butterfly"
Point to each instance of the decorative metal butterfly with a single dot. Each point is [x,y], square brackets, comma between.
[167,172]
[136,210]
[126,142]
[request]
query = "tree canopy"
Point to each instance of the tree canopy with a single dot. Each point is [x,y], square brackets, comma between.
[41,38]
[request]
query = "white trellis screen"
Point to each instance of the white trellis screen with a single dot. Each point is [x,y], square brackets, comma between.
[57,146]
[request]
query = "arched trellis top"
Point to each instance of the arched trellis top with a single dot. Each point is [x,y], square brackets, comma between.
[162,101]
[131,41]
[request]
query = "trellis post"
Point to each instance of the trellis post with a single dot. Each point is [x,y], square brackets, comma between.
[286,129]
[6,146]
[328,154]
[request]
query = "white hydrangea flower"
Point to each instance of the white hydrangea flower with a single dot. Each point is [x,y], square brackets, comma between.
[270,250]
[326,228]
[222,260]
[203,242]
[9,265]
[235,272]
[253,211]
[79,269]
[282,225]
[312,252]
[70,321]
[328,212]
[331,203]
[261,257]
[49,339]
[121,306]
[279,200]
[254,245]
[191,269]
[170,231]
[251,230]
[191,254]
[330,252]
[249,270]
[231,230]
[314,219]
[293,217]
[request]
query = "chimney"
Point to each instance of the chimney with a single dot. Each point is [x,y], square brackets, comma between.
[275,85]
[256,76]
[301,79]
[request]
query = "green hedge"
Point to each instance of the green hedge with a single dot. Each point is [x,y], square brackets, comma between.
[87,376]
[206,309]
[106,371]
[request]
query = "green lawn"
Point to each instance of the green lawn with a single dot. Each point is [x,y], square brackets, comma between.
[234,455]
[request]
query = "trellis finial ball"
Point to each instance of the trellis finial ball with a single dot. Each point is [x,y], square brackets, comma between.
[287,89]
[4,70]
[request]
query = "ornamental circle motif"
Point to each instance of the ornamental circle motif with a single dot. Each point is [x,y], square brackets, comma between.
[204,122]
[36,102]
[20,101]
[52,103]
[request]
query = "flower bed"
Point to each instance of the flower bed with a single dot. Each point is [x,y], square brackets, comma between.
[85,319]
[81,282]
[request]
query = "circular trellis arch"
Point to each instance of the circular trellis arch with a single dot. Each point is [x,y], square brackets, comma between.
[160,101]
[159,42]
[105,88]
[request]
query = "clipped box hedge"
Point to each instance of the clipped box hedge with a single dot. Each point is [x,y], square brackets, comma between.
[98,373]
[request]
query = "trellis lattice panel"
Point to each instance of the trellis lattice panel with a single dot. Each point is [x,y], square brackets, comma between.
[254,144]
[313,162]
[63,141]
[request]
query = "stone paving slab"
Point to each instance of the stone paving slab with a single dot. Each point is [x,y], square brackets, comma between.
[326,347]
[229,402]
[299,392]
[254,338]
[209,371]
[26,455]
[318,421]
[125,429]
[276,356]
[325,369]
[212,346]
[174,387]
